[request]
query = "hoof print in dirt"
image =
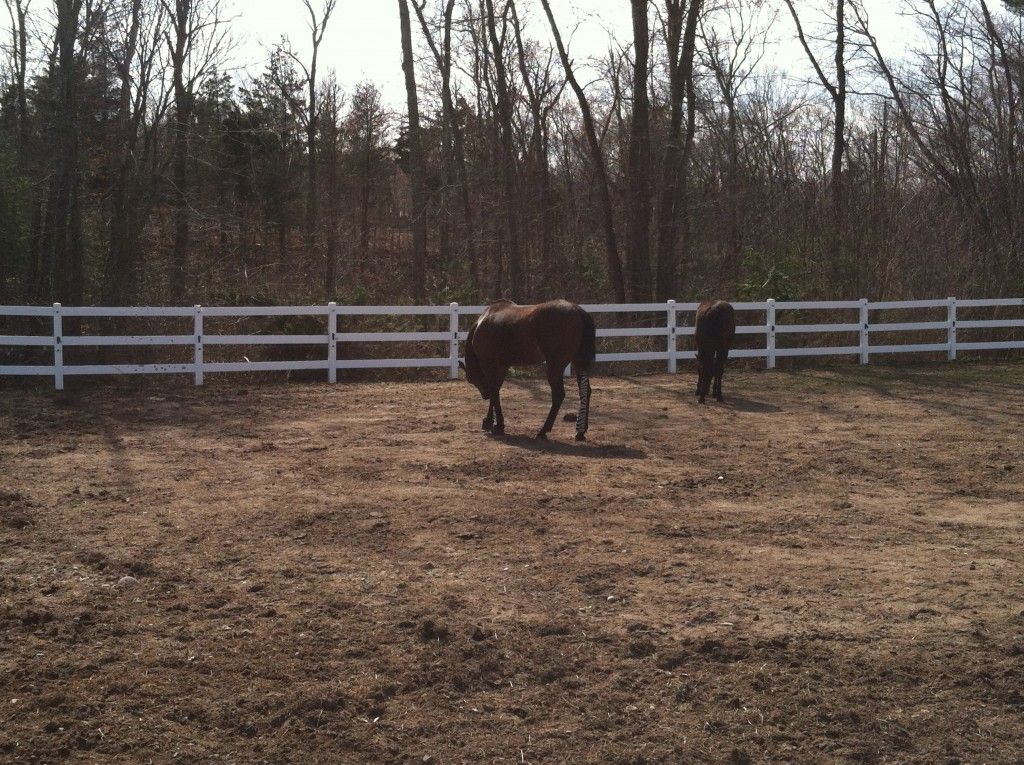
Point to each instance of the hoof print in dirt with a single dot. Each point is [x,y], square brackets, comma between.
[15,511]
[672,659]
[641,647]
[431,631]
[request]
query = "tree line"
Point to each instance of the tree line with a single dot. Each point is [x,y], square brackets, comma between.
[680,163]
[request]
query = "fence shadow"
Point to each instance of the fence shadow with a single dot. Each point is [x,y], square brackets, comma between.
[739,404]
[929,387]
[573,448]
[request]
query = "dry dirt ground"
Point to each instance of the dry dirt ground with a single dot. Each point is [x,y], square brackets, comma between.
[826,568]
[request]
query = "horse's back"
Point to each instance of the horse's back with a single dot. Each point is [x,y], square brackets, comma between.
[502,335]
[555,315]
[527,334]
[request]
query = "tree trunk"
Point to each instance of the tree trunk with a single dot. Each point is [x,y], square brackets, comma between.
[20,55]
[615,275]
[452,137]
[179,172]
[312,190]
[506,133]
[122,244]
[317,28]
[539,147]
[416,168]
[675,167]
[334,214]
[735,239]
[839,138]
[65,270]
[838,93]
[639,161]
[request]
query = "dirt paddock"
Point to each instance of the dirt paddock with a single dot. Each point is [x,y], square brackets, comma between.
[826,568]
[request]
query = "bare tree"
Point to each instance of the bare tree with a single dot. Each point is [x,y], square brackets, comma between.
[681,44]
[733,50]
[136,164]
[63,246]
[838,92]
[615,275]
[18,12]
[317,29]
[416,168]
[197,41]
[453,138]
[934,113]
[542,94]
[366,123]
[1008,128]
[502,88]
[331,143]
[638,167]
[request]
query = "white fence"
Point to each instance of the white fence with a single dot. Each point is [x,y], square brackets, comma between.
[860,328]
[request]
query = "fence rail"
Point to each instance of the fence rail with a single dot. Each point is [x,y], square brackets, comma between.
[858,325]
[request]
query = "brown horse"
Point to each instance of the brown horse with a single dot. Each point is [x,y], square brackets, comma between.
[715,328]
[556,333]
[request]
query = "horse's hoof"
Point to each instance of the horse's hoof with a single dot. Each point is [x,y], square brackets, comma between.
[542,436]
[701,400]
[498,430]
[487,425]
[719,399]
[581,436]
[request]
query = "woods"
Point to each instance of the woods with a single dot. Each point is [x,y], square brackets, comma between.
[138,166]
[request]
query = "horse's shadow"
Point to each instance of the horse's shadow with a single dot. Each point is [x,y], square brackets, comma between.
[735,403]
[572,448]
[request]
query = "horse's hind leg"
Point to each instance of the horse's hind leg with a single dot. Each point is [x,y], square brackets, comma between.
[703,374]
[499,416]
[488,422]
[557,397]
[583,417]
[720,359]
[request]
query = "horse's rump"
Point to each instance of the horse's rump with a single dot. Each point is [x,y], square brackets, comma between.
[715,325]
[510,335]
[588,343]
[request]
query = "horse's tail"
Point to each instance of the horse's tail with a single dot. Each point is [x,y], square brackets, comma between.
[588,343]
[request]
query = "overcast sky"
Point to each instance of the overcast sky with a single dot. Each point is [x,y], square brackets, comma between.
[363,43]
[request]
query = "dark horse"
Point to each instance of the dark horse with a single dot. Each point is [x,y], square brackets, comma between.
[716,325]
[508,335]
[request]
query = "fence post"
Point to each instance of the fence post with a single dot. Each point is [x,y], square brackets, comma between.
[58,348]
[197,332]
[332,342]
[453,350]
[770,322]
[951,322]
[672,350]
[865,328]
